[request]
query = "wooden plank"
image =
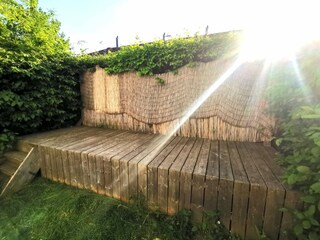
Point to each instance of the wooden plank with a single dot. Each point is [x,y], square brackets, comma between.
[70,137]
[53,164]
[68,159]
[57,169]
[79,153]
[212,178]
[240,192]
[47,162]
[163,174]
[152,173]
[292,201]
[198,182]
[142,165]
[124,166]
[51,155]
[43,166]
[89,162]
[225,185]
[275,194]
[38,138]
[55,157]
[104,158]
[54,146]
[24,174]
[115,163]
[174,177]
[99,170]
[117,146]
[186,175]
[292,198]
[151,151]
[65,139]
[124,174]
[15,157]
[8,168]
[257,195]
[268,154]
[89,155]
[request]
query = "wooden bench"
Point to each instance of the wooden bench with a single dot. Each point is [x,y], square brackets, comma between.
[240,179]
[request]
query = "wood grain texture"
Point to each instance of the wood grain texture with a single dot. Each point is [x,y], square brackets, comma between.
[240,192]
[257,195]
[241,180]
[212,178]
[26,171]
[198,182]
[163,175]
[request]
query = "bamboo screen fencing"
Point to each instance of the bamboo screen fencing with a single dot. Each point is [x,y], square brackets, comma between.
[236,111]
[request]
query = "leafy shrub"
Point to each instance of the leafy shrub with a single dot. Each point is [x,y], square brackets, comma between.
[6,138]
[300,145]
[39,86]
[293,99]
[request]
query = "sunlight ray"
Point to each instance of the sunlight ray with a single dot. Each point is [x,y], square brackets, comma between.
[194,107]
[300,80]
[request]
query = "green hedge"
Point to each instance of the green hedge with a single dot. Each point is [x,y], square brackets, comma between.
[39,84]
[39,75]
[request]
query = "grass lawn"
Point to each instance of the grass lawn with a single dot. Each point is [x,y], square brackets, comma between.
[48,210]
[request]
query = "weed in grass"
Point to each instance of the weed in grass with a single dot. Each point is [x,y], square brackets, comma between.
[212,229]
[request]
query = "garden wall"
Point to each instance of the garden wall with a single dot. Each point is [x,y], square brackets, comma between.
[235,112]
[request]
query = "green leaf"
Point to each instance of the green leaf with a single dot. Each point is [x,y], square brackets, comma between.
[292,179]
[317,142]
[315,151]
[315,187]
[313,236]
[314,222]
[306,224]
[309,199]
[311,211]
[278,141]
[298,230]
[303,169]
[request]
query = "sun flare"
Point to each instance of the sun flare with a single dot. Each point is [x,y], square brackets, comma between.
[280,31]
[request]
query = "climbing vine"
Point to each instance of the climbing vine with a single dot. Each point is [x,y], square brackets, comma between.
[160,56]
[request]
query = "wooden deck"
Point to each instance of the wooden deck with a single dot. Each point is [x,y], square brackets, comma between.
[242,180]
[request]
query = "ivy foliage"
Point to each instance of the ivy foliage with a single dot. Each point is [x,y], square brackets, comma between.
[164,56]
[294,99]
[39,84]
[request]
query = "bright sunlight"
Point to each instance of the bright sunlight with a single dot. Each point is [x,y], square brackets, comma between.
[280,31]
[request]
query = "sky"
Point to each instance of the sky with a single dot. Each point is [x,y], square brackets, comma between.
[95,24]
